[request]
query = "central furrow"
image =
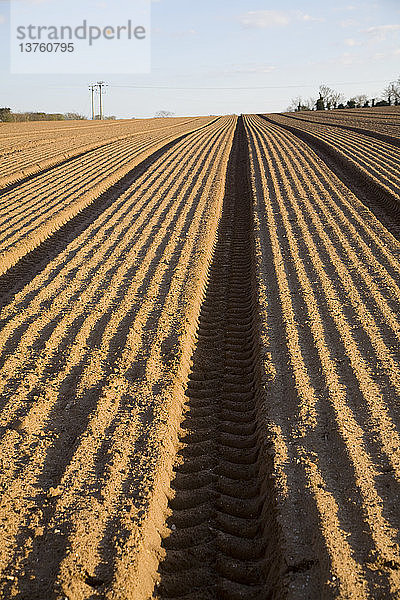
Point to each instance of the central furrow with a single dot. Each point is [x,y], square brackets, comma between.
[223,539]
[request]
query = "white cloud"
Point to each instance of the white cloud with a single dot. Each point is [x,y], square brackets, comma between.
[264,18]
[261,19]
[304,17]
[345,59]
[2,19]
[351,42]
[386,55]
[351,59]
[381,32]
[379,56]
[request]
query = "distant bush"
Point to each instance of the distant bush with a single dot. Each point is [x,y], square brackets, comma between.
[164,113]
[37,116]
[73,116]
[5,114]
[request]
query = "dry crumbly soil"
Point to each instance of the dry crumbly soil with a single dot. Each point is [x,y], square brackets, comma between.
[199,358]
[29,148]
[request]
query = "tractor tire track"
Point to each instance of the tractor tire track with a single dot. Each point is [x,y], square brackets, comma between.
[223,540]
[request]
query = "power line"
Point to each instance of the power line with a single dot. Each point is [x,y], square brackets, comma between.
[264,87]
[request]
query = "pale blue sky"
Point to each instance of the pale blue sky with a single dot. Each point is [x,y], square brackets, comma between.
[288,48]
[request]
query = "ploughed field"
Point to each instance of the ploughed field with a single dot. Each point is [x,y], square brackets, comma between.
[199,358]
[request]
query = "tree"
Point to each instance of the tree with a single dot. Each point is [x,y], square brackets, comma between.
[330,97]
[297,104]
[392,91]
[6,115]
[164,113]
[336,98]
[360,100]
[325,95]
[294,104]
[396,90]
[308,104]
[73,116]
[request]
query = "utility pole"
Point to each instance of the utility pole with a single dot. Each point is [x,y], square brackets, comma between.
[92,87]
[100,85]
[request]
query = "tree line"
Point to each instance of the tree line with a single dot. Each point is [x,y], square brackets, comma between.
[330,98]
[7,116]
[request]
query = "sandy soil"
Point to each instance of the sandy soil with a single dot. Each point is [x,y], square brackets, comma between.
[92,371]
[329,302]
[41,204]
[28,148]
[367,121]
[377,160]
[199,361]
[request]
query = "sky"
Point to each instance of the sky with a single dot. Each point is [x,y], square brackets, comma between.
[228,56]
